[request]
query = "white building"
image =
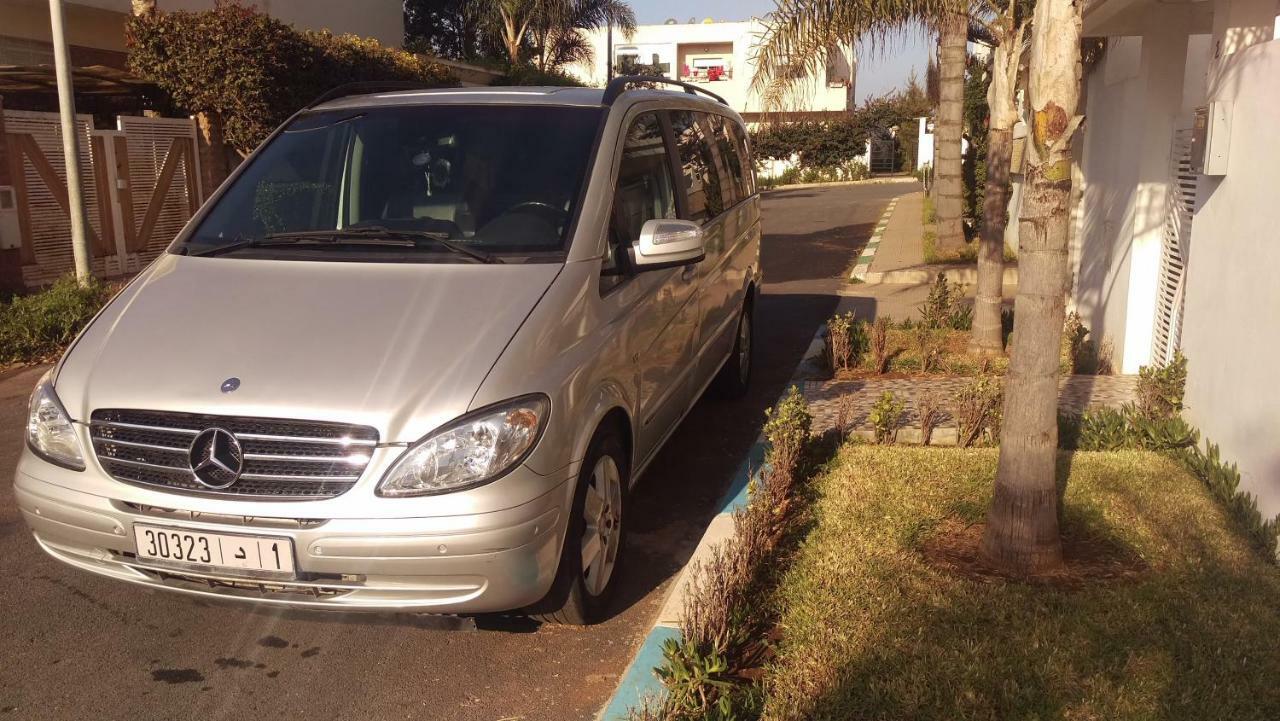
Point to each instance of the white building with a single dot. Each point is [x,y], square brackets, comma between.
[1177,237]
[721,57]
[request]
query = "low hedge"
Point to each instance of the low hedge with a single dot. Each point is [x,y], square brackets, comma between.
[37,327]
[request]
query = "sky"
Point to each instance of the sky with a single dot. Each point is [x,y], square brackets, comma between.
[879,71]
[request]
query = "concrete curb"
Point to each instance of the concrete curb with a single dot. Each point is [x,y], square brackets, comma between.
[638,683]
[863,266]
[841,183]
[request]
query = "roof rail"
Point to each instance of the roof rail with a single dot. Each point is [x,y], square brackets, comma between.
[618,86]
[366,88]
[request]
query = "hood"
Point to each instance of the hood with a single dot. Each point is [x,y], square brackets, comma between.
[401,347]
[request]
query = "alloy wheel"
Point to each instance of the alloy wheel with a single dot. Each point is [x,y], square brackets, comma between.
[602,516]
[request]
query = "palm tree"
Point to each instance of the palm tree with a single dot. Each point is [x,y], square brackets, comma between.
[1005,34]
[548,31]
[796,42]
[1022,524]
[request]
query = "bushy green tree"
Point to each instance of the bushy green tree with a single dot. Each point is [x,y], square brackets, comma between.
[252,71]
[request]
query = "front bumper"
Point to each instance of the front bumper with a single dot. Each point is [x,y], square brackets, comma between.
[483,562]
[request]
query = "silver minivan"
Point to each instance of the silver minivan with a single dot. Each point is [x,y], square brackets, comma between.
[413,355]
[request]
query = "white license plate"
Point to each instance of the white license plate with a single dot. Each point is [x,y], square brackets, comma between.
[187,548]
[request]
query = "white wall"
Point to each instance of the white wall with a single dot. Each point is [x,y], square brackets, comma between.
[1109,165]
[1231,326]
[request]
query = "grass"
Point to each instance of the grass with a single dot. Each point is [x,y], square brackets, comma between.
[966,255]
[872,630]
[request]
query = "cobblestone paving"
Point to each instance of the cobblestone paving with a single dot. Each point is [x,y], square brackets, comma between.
[1076,394]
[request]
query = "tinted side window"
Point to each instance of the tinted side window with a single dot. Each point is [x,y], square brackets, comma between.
[701,181]
[747,176]
[645,191]
[728,165]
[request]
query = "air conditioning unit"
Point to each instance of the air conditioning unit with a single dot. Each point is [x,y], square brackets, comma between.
[1211,139]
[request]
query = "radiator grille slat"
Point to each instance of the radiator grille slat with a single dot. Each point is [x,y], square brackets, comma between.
[282,458]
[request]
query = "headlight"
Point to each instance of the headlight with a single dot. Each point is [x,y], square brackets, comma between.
[475,449]
[50,433]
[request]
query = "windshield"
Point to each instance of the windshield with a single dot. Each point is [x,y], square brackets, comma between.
[499,179]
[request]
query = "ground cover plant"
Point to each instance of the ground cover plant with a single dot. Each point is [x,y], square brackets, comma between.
[1162,611]
[709,672]
[37,327]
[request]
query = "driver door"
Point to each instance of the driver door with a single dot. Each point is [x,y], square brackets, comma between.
[661,326]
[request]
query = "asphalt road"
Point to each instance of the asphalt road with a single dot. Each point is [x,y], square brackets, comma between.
[73,646]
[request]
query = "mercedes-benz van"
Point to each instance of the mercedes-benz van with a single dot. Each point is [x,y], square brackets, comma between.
[413,355]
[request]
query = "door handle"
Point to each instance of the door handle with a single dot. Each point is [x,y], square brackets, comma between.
[687,273]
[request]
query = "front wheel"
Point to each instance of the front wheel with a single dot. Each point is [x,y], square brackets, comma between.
[734,378]
[592,548]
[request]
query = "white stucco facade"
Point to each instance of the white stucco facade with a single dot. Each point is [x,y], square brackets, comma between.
[1162,62]
[719,56]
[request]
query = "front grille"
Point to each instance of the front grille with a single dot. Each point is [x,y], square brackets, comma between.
[282,458]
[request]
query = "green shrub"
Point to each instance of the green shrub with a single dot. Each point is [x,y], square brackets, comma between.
[254,71]
[1127,428]
[845,342]
[38,327]
[945,307]
[977,411]
[879,344]
[1160,387]
[885,417]
[788,423]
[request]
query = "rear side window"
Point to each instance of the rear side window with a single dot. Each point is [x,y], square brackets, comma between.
[746,177]
[703,186]
[728,165]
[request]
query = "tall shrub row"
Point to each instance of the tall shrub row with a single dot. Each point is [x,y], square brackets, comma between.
[253,71]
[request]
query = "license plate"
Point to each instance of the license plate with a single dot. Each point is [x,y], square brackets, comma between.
[214,551]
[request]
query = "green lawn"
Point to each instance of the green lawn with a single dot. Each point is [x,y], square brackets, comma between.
[871,630]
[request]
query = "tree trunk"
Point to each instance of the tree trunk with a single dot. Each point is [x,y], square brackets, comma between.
[1022,524]
[953,34]
[987,336]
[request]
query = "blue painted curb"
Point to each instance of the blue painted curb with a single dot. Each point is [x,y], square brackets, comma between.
[639,682]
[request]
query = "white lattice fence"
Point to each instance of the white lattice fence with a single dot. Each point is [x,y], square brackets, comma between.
[161,153]
[35,139]
[1175,245]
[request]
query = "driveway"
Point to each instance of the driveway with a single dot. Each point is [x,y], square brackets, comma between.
[75,646]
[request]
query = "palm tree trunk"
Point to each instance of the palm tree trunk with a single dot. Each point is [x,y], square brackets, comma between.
[1022,524]
[953,34]
[987,336]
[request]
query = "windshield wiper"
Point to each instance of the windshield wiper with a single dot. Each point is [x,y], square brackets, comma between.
[369,235]
[378,234]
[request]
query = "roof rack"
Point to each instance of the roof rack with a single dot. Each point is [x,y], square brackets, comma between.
[618,86]
[366,88]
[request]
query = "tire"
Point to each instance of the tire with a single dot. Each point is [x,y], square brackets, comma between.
[734,379]
[579,596]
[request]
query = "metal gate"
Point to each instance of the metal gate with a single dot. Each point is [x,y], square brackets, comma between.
[882,149]
[1174,251]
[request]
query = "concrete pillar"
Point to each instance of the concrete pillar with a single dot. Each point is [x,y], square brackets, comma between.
[1162,66]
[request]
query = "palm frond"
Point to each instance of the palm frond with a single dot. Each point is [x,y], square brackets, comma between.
[799,34]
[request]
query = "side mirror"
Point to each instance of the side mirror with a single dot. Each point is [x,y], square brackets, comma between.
[667,244]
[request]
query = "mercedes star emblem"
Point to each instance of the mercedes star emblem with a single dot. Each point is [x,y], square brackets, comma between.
[216,458]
